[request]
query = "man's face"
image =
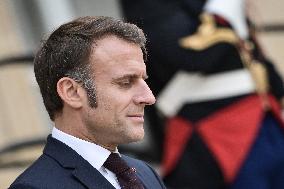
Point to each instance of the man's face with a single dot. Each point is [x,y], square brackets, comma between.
[119,74]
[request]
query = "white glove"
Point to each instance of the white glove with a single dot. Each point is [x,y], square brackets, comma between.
[231,10]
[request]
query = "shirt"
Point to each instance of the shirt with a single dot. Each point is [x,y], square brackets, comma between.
[92,153]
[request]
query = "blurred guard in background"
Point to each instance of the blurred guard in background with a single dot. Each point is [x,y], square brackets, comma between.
[220,95]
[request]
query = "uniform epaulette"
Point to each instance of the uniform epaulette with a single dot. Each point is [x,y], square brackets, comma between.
[208,34]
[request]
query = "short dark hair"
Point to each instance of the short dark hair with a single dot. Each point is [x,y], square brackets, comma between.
[67,50]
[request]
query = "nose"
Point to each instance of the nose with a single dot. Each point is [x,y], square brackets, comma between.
[144,95]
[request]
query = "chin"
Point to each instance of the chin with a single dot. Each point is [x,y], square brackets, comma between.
[137,136]
[140,137]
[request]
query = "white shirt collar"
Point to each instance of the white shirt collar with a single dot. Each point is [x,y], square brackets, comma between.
[93,153]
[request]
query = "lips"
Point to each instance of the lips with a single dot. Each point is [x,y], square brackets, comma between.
[136,117]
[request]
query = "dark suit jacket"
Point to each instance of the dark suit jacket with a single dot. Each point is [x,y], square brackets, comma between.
[60,167]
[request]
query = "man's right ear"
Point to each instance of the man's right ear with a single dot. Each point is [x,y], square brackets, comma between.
[70,92]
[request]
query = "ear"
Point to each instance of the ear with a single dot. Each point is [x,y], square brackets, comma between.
[70,92]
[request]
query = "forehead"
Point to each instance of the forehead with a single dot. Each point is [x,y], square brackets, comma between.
[115,56]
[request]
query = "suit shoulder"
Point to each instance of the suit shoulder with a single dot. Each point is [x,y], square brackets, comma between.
[41,173]
[22,186]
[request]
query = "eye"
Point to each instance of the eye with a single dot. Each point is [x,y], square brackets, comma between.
[127,83]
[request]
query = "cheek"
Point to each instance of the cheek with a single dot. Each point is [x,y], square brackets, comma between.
[114,100]
[108,108]
[118,103]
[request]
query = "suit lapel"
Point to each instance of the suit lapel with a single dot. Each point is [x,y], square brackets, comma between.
[140,173]
[68,158]
[142,179]
[91,178]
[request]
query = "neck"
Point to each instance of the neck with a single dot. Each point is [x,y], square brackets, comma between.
[81,133]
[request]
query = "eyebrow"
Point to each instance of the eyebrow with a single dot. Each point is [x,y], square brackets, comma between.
[131,76]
